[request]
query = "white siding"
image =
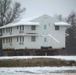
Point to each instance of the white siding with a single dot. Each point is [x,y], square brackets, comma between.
[59,35]
[32,45]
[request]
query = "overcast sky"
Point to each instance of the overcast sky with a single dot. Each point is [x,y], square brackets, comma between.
[50,7]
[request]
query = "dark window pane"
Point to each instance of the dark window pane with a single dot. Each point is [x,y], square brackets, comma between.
[33,27]
[44,26]
[33,38]
[56,27]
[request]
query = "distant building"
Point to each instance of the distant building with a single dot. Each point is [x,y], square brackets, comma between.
[34,33]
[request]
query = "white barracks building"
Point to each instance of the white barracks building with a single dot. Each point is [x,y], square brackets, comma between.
[34,33]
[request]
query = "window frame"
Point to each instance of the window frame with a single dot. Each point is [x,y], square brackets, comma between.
[33,38]
[17,27]
[45,39]
[17,39]
[23,27]
[45,26]
[3,40]
[33,27]
[57,27]
[3,30]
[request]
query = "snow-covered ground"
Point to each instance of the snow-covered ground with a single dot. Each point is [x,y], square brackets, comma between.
[37,70]
[30,57]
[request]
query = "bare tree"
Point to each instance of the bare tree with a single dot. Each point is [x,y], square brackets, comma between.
[72,18]
[9,11]
[59,17]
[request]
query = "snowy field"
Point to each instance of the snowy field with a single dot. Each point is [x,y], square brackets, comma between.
[30,57]
[37,70]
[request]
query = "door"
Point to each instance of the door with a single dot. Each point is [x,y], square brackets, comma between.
[45,33]
[45,42]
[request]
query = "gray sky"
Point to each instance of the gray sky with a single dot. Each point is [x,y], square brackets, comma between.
[50,7]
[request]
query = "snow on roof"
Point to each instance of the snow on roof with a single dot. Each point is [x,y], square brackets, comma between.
[62,24]
[26,21]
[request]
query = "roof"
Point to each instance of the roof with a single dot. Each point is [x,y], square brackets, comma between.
[61,24]
[26,21]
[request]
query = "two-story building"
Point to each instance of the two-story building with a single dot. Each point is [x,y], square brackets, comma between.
[34,33]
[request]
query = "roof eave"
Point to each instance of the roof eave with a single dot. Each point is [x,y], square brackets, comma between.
[37,24]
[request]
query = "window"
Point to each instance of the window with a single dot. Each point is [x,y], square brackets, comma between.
[56,27]
[44,26]
[17,27]
[3,30]
[21,39]
[17,39]
[33,27]
[45,40]
[7,40]
[10,40]
[22,27]
[33,38]
[0,32]
[3,40]
[6,30]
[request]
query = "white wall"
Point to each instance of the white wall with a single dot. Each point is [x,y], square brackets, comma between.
[15,31]
[32,45]
[58,35]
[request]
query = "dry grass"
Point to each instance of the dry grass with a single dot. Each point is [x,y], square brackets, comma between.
[35,62]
